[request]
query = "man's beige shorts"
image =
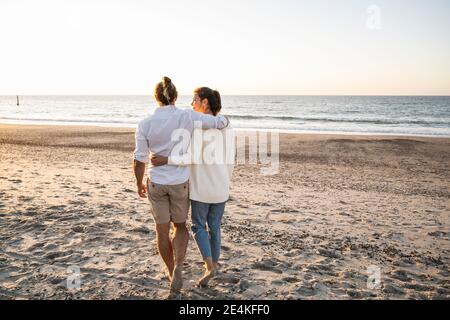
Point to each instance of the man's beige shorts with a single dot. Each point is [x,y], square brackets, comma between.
[169,203]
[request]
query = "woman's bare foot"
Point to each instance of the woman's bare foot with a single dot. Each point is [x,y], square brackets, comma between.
[177,280]
[209,274]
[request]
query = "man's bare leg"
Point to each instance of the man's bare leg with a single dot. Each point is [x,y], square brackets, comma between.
[165,246]
[180,243]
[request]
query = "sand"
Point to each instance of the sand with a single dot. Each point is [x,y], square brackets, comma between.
[341,209]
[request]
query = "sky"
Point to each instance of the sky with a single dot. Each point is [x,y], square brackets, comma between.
[242,47]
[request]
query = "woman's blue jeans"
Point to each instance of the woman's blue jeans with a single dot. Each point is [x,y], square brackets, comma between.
[207,215]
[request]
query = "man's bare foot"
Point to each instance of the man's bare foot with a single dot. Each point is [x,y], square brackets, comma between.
[209,274]
[177,280]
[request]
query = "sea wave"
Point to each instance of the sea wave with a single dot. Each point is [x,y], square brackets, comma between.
[341,120]
[70,120]
[130,120]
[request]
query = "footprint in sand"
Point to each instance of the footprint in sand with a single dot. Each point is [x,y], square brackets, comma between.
[50,246]
[57,280]
[25,198]
[30,212]
[344,213]
[59,207]
[226,278]
[243,284]
[79,229]
[329,253]
[290,279]
[390,289]
[255,290]
[267,265]
[262,204]
[401,275]
[36,246]
[322,268]
[288,221]
[357,294]
[306,289]
[77,202]
[276,282]
[142,229]
[53,255]
[292,253]
[416,287]
[439,234]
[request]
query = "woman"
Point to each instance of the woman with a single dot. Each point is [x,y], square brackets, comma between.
[209,182]
[167,186]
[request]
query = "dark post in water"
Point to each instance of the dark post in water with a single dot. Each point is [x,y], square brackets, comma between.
[17,100]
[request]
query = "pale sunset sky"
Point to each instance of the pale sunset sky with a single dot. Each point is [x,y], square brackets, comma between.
[271,47]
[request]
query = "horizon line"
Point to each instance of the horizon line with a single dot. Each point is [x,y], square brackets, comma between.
[241,95]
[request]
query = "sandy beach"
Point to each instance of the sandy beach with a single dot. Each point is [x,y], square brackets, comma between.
[340,207]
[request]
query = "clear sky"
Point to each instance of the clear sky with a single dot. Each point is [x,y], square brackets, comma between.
[237,46]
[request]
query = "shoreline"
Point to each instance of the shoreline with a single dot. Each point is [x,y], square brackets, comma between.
[284,132]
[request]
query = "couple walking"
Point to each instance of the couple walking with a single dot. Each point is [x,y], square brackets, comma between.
[188,168]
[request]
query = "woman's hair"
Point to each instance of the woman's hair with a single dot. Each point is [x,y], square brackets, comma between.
[166,92]
[213,96]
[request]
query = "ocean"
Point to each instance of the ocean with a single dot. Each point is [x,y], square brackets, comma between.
[385,115]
